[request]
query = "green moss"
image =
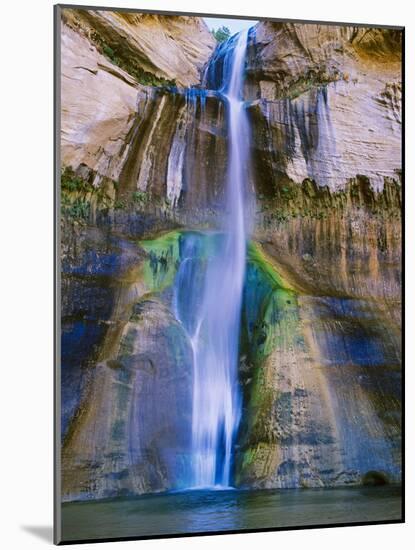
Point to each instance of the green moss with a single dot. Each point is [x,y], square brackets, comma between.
[270,322]
[313,79]
[71,183]
[119,205]
[289,192]
[269,298]
[248,458]
[79,209]
[110,54]
[141,198]
[75,195]
[161,243]
[78,195]
[255,255]
[162,262]
[288,200]
[163,258]
[271,310]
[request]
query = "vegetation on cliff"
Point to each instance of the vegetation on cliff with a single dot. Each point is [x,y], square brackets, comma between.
[221,34]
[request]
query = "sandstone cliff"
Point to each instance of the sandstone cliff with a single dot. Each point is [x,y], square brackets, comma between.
[109,65]
[322,105]
[157,48]
[329,103]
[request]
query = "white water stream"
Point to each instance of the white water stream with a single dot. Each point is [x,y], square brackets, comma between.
[217,296]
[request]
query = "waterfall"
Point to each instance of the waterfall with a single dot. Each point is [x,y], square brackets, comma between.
[208,293]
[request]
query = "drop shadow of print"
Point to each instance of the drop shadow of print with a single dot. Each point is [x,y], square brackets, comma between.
[42,532]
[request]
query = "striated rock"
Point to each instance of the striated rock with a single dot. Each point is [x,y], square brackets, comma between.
[288,432]
[127,387]
[144,395]
[361,257]
[313,360]
[296,57]
[96,268]
[98,108]
[103,102]
[171,48]
[317,345]
[170,151]
[150,141]
[330,103]
[156,141]
[329,135]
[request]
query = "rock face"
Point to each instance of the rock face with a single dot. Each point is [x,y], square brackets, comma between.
[328,108]
[309,119]
[107,61]
[98,108]
[289,58]
[168,156]
[144,159]
[129,430]
[321,344]
[145,398]
[168,48]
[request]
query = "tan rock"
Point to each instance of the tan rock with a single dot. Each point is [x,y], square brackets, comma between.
[289,51]
[331,97]
[170,47]
[98,106]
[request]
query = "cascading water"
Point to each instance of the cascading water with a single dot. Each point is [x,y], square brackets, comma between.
[208,292]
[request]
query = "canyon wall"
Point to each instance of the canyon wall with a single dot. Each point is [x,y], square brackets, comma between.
[144,154]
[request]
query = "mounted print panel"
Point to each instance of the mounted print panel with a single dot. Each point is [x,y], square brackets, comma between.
[228,274]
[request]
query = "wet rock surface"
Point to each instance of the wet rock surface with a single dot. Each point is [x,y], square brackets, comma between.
[144,395]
